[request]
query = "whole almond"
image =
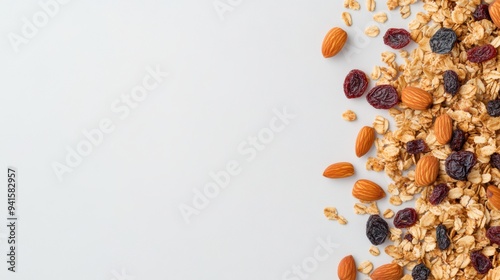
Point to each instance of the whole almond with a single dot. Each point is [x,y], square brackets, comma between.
[390,271]
[347,269]
[427,170]
[416,98]
[364,141]
[367,190]
[443,128]
[493,194]
[334,41]
[339,170]
[494,11]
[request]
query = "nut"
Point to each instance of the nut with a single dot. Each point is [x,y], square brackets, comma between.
[443,129]
[493,194]
[339,170]
[334,41]
[427,170]
[364,141]
[390,271]
[494,10]
[416,98]
[347,269]
[367,190]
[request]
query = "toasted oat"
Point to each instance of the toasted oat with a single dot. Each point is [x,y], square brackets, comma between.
[388,213]
[346,17]
[349,116]
[372,31]
[342,220]
[381,125]
[380,17]
[374,250]
[370,5]
[331,213]
[360,209]
[365,267]
[392,4]
[405,11]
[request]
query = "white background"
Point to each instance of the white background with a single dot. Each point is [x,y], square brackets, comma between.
[118,211]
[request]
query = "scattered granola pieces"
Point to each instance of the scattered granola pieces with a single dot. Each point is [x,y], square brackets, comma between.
[349,116]
[370,5]
[332,214]
[388,213]
[346,17]
[365,267]
[381,125]
[372,31]
[374,250]
[380,17]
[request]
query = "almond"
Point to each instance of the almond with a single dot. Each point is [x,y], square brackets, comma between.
[334,41]
[364,141]
[443,128]
[427,170]
[390,271]
[347,269]
[339,170]
[416,98]
[494,11]
[493,194]
[367,190]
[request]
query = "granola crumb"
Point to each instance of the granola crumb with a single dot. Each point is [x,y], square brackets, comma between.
[372,31]
[365,267]
[380,17]
[370,5]
[349,116]
[374,250]
[346,17]
[388,214]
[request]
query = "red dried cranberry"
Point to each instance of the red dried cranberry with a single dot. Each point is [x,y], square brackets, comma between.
[493,108]
[377,229]
[493,234]
[458,139]
[481,53]
[355,83]
[443,241]
[397,38]
[451,82]
[409,237]
[405,218]
[439,193]
[443,40]
[416,147]
[459,164]
[495,160]
[481,12]
[383,97]
[480,262]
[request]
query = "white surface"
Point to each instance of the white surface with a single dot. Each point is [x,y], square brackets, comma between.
[118,211]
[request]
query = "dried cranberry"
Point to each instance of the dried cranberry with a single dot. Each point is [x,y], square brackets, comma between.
[409,237]
[481,53]
[493,234]
[493,108]
[443,40]
[481,12]
[420,272]
[451,82]
[443,241]
[405,218]
[480,262]
[459,164]
[377,229]
[439,193]
[397,38]
[355,83]
[495,160]
[416,147]
[383,97]
[458,138]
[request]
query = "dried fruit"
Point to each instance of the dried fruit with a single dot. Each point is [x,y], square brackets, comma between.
[334,42]
[339,170]
[443,128]
[408,237]
[459,164]
[439,193]
[420,272]
[347,269]
[493,108]
[427,170]
[390,271]
[493,234]
[355,83]
[451,82]
[364,141]
[416,147]
[377,229]
[443,40]
[443,241]
[480,262]
[493,194]
[397,38]
[481,12]
[416,98]
[405,218]
[458,139]
[494,11]
[383,97]
[495,160]
[481,53]
[367,190]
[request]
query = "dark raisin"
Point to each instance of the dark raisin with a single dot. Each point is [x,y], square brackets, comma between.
[397,38]
[439,193]
[480,262]
[481,53]
[420,272]
[383,97]
[495,160]
[493,108]
[355,83]
[405,218]
[493,234]
[458,138]
[481,12]
[443,40]
[416,147]
[409,237]
[377,229]
[442,238]
[451,82]
[459,164]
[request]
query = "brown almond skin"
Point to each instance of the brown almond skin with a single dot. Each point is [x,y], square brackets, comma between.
[390,271]
[367,190]
[494,11]
[333,42]
[364,141]
[443,128]
[427,170]
[347,269]
[493,194]
[416,98]
[339,170]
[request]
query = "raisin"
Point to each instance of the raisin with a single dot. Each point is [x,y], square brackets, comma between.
[355,83]
[481,53]
[493,234]
[377,229]
[451,83]
[405,218]
[495,160]
[439,193]
[442,238]
[458,138]
[443,40]
[409,237]
[481,12]
[420,272]
[480,262]
[416,147]
[397,38]
[493,108]
[383,97]
[459,164]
